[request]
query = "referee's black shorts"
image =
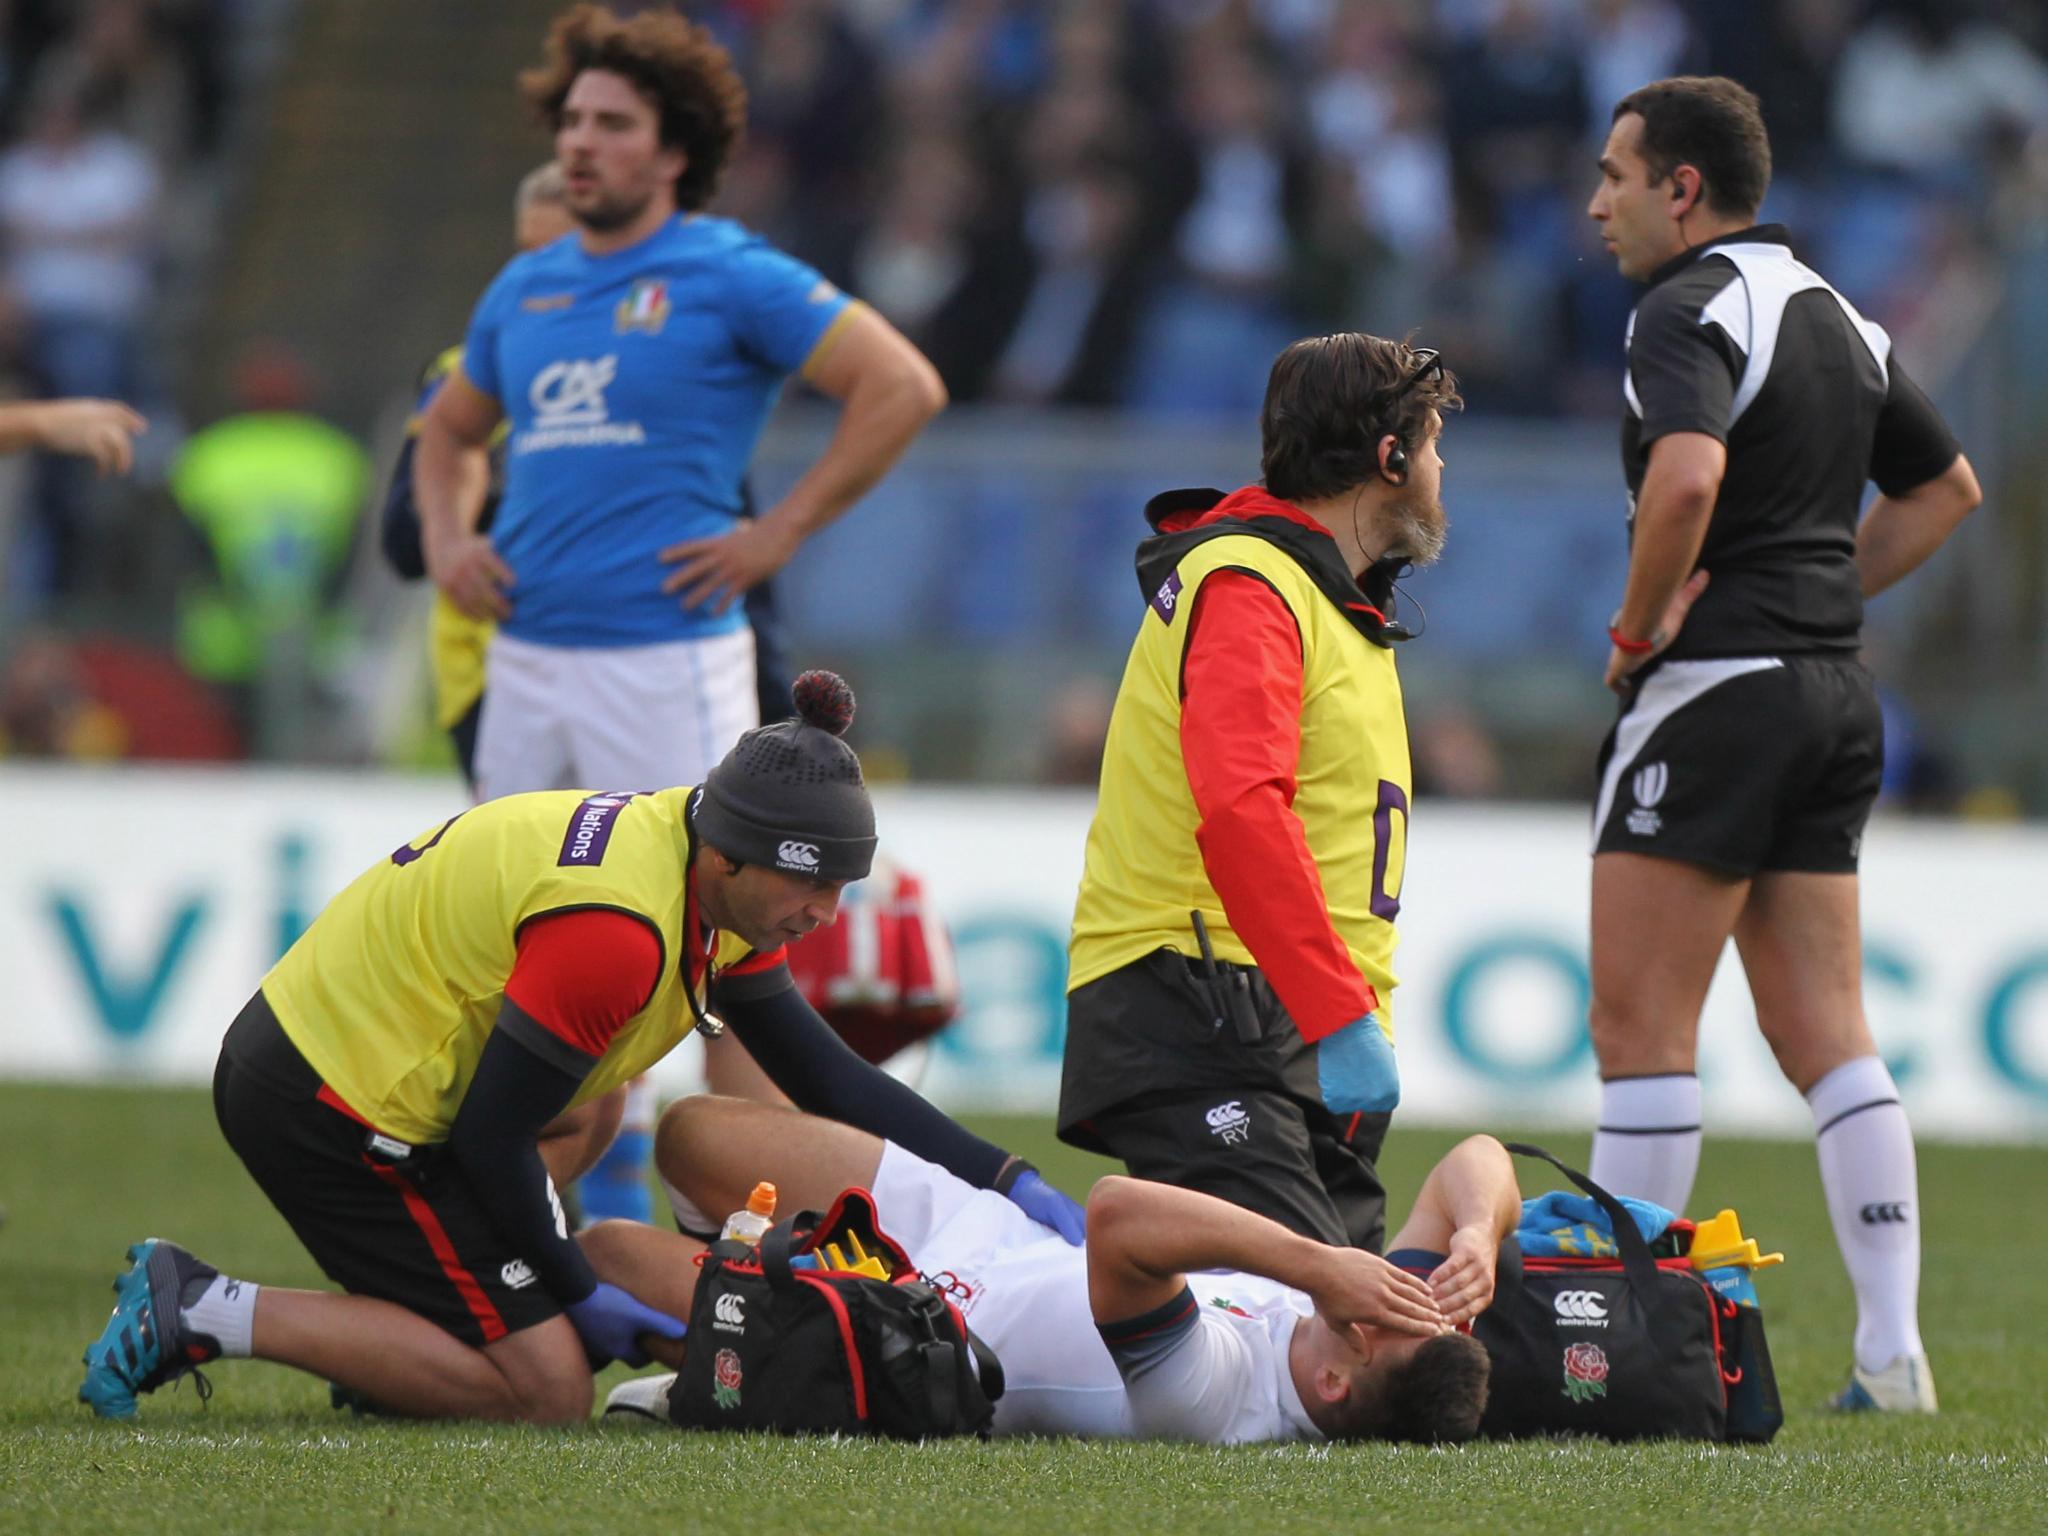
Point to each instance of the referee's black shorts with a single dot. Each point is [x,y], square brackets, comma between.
[1151,1078]
[380,1218]
[1744,764]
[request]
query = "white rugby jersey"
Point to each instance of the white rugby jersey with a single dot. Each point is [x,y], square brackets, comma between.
[1023,1289]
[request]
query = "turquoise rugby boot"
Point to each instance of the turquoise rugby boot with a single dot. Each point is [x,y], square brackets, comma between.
[146,1343]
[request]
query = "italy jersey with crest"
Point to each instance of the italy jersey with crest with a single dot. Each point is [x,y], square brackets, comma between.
[392,993]
[635,384]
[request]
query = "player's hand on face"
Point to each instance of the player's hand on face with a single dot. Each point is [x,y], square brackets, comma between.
[1364,1290]
[1463,1283]
[1621,665]
[100,430]
[469,571]
[717,570]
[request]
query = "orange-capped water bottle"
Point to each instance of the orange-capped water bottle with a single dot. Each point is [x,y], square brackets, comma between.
[750,1223]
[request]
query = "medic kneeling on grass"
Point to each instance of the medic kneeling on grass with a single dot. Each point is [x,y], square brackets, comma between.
[440,1050]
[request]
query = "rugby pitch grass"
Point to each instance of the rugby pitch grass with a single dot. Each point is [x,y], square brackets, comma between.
[84,1172]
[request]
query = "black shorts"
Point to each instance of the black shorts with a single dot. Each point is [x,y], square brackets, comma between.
[1151,1079]
[380,1218]
[1744,764]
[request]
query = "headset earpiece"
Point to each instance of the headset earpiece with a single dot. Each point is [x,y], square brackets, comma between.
[1395,471]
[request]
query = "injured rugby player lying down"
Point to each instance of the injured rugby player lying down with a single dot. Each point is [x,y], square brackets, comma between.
[1182,1317]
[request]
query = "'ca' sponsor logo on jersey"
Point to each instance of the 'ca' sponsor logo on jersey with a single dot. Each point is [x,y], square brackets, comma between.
[802,857]
[644,309]
[1649,784]
[518,1274]
[569,409]
[1580,1309]
[729,1313]
[571,393]
[1232,1121]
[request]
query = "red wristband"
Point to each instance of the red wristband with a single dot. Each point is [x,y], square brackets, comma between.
[1629,647]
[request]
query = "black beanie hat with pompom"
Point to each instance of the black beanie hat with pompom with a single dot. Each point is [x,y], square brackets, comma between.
[790,796]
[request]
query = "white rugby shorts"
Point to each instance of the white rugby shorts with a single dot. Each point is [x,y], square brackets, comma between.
[612,717]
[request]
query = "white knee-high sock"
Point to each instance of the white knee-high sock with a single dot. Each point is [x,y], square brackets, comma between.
[1873,1188]
[1648,1142]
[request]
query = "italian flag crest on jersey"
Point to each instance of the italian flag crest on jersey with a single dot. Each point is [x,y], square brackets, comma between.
[644,309]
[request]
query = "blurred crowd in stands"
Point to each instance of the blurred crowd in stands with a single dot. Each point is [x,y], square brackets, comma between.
[1128,205]
[1138,202]
[107,109]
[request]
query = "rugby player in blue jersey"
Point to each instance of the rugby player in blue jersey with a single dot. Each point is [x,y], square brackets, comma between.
[635,362]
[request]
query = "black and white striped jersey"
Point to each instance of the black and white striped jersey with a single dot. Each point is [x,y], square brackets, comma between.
[1741,341]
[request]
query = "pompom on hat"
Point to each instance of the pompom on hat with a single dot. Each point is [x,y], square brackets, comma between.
[790,796]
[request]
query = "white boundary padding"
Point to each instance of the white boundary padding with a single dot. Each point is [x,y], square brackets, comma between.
[139,907]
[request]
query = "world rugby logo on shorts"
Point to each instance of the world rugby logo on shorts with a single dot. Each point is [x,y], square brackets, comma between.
[1648,783]
[1580,1309]
[802,857]
[1230,1120]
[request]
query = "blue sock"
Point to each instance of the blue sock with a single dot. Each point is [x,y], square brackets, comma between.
[617,1185]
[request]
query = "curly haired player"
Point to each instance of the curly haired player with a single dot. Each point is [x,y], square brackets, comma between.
[635,365]
[472,996]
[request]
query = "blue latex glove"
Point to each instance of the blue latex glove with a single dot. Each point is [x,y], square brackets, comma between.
[1357,1071]
[610,1320]
[1047,1206]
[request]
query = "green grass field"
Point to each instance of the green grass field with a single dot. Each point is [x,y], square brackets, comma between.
[83,1172]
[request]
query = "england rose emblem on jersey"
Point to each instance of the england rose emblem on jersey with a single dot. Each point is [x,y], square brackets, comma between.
[1585,1372]
[725,1368]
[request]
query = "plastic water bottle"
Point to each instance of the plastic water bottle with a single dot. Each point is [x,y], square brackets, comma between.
[1726,1259]
[750,1223]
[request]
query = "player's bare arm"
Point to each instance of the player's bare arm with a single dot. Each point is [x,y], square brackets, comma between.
[1898,533]
[450,474]
[100,430]
[716,1149]
[1467,1205]
[1143,1238]
[888,392]
[1672,513]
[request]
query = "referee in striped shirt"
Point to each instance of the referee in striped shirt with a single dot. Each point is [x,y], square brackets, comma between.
[1735,785]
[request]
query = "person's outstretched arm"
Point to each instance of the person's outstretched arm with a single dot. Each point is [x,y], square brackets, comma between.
[100,430]
[824,1076]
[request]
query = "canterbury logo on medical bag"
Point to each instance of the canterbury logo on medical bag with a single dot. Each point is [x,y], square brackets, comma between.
[729,1314]
[1584,1309]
